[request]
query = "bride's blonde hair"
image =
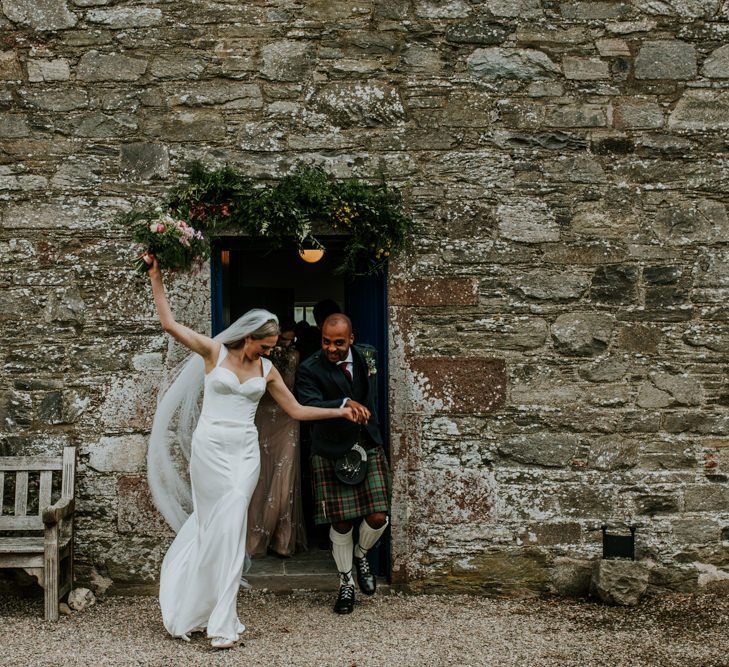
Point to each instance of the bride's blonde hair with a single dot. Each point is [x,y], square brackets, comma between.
[269,328]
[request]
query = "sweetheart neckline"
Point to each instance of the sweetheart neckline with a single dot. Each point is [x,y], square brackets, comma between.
[240,384]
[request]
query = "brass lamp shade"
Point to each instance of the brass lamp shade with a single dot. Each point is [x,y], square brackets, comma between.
[311,255]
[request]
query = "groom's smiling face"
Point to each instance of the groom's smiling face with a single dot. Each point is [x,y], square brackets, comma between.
[336,338]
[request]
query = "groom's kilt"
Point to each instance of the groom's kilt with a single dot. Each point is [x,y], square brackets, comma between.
[335,501]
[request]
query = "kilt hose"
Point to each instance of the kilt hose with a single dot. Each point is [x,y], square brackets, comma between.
[335,501]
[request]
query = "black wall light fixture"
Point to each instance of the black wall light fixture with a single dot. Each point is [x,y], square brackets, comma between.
[618,546]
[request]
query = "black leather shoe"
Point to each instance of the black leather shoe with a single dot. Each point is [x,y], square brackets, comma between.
[365,579]
[345,600]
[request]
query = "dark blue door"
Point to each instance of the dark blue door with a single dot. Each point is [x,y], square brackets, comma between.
[366,305]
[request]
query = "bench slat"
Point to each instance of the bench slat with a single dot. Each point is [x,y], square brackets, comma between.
[28,545]
[31,463]
[18,559]
[33,522]
[21,545]
[21,493]
[44,492]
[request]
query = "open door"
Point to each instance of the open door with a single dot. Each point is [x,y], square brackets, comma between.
[248,273]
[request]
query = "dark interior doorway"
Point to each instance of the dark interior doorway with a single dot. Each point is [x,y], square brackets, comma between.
[249,273]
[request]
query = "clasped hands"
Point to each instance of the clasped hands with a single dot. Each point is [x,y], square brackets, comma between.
[360,413]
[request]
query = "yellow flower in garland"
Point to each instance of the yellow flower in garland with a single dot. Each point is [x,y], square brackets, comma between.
[345,214]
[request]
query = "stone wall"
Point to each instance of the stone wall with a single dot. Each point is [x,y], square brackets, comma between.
[559,329]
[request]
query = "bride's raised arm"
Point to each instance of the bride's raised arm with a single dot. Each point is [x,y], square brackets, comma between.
[283,396]
[205,346]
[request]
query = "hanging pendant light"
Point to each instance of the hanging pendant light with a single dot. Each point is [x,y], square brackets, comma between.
[311,255]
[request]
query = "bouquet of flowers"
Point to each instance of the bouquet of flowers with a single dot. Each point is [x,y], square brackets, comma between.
[176,244]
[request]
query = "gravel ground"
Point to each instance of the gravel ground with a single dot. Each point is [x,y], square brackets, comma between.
[391,629]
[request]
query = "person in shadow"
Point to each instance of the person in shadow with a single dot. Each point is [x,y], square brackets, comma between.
[308,341]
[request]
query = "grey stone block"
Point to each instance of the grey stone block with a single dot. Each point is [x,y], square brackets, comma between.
[368,104]
[684,389]
[701,110]
[95,66]
[286,60]
[585,69]
[126,17]
[571,577]
[57,100]
[637,114]
[621,582]
[527,221]
[666,59]
[165,66]
[45,15]
[582,334]
[716,66]
[118,453]
[13,126]
[477,32]
[143,161]
[48,70]
[504,63]
[551,450]
[679,8]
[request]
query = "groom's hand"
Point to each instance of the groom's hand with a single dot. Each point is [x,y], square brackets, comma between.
[360,411]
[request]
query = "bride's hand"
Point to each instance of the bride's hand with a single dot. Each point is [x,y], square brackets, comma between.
[149,259]
[350,414]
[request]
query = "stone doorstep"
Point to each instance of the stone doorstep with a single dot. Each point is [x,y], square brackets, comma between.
[274,583]
[292,583]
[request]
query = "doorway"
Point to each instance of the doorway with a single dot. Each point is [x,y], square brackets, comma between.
[250,273]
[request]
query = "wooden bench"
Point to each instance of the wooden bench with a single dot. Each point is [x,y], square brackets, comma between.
[47,556]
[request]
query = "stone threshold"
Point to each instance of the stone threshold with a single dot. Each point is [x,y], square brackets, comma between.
[273,583]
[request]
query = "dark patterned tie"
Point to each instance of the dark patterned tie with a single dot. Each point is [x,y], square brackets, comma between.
[345,370]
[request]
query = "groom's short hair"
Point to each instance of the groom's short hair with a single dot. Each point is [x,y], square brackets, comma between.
[338,318]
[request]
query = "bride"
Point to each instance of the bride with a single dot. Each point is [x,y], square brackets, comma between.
[201,571]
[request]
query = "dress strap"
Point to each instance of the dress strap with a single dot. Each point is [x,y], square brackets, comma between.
[267,365]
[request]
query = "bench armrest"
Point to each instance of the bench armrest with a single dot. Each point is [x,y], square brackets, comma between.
[63,508]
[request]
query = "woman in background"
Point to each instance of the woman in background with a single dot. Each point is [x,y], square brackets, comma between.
[275,517]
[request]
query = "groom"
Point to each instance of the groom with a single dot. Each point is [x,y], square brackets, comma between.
[347,490]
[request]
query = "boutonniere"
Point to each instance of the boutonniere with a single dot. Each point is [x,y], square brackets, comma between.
[369,357]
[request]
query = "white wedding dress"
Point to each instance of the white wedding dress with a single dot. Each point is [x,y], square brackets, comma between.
[201,571]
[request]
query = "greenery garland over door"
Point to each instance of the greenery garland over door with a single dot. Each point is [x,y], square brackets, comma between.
[369,216]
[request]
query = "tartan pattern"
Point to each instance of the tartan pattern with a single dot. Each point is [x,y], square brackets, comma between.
[334,501]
